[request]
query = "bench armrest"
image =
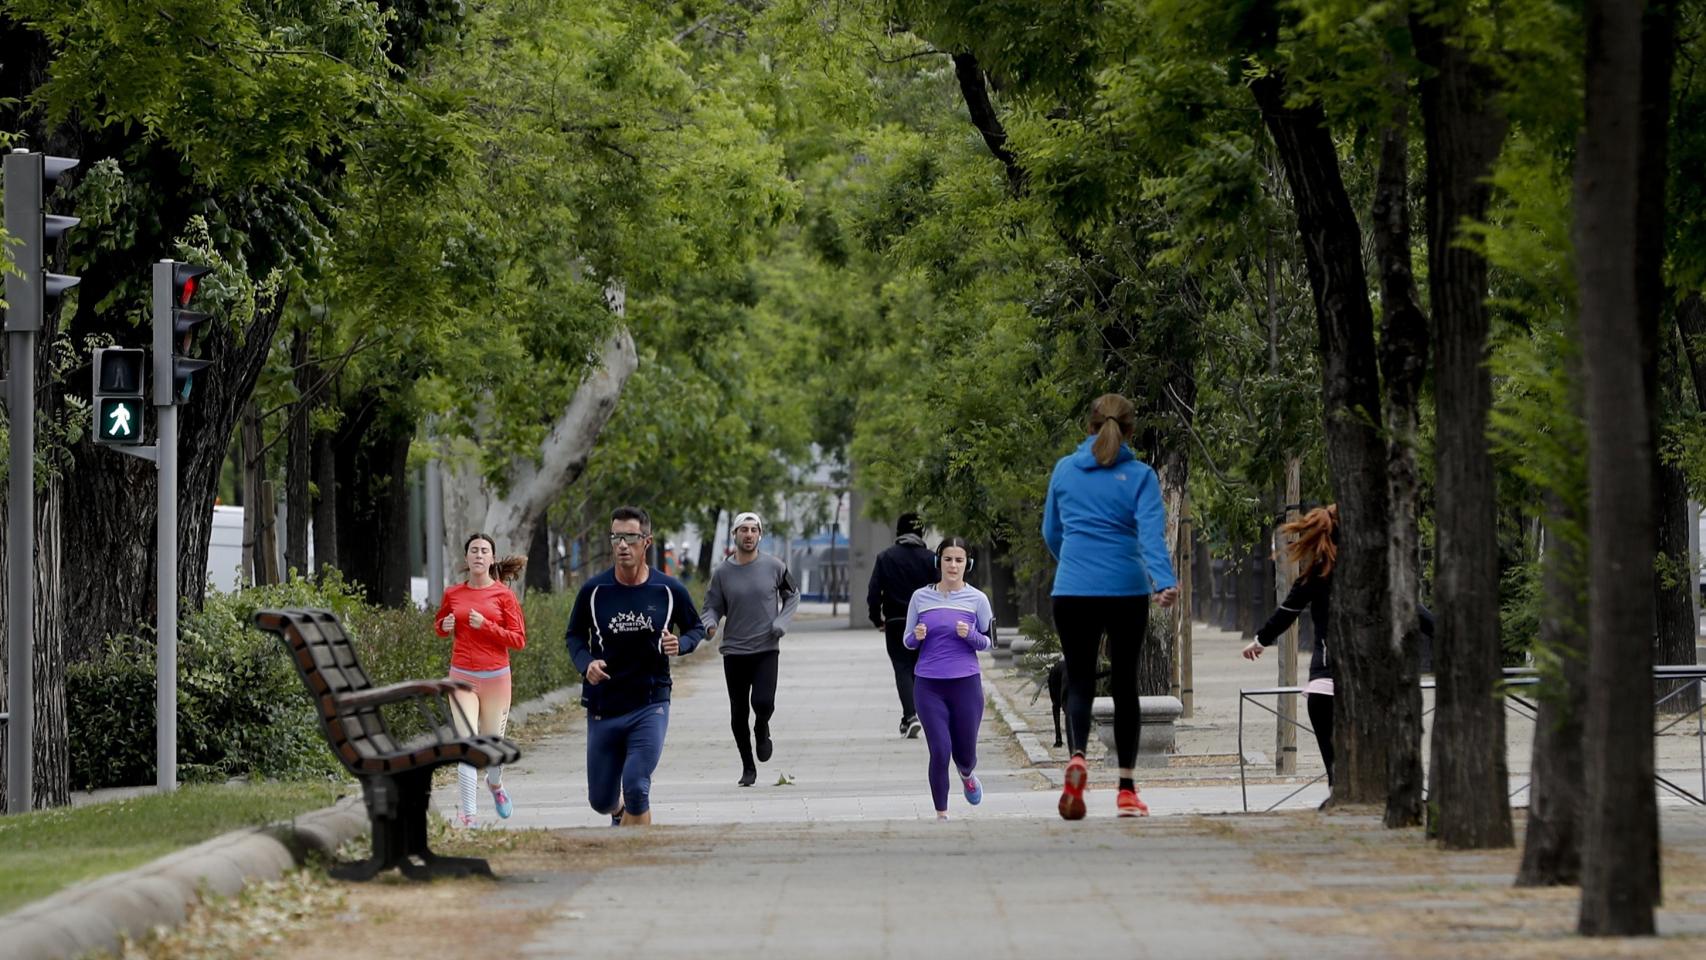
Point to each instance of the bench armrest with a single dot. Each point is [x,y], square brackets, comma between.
[407,690]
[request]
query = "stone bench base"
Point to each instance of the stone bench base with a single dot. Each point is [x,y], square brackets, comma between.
[1155,731]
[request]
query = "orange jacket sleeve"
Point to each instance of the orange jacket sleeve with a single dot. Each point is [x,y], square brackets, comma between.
[443,611]
[513,631]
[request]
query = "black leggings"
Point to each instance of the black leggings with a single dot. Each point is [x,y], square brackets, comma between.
[1321,719]
[903,660]
[751,678]
[1082,622]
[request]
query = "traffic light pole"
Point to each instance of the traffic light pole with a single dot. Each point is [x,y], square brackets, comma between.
[164,453]
[20,570]
[166,603]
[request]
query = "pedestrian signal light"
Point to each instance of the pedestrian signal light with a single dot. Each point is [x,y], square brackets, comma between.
[118,396]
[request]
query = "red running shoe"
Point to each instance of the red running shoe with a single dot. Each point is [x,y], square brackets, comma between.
[1131,805]
[1072,795]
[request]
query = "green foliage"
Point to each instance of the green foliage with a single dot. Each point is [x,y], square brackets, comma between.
[242,710]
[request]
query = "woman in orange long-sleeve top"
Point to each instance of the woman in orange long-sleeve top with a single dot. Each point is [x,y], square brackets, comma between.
[485,619]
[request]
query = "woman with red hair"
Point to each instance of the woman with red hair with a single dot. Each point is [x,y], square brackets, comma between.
[1315,550]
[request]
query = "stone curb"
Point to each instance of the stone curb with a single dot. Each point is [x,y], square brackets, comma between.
[96,915]
[1035,753]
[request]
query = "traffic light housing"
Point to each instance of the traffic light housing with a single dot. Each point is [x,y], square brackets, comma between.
[119,398]
[32,287]
[174,288]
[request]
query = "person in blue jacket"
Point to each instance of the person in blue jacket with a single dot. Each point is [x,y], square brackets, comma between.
[622,632]
[1106,526]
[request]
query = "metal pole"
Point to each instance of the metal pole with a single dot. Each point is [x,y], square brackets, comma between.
[1186,666]
[434,533]
[25,297]
[1286,572]
[166,601]
[20,573]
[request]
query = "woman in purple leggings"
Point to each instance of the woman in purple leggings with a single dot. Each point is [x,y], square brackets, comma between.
[947,623]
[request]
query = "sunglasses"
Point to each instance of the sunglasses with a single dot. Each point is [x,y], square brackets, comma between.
[628,538]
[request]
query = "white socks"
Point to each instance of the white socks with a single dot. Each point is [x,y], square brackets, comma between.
[467,782]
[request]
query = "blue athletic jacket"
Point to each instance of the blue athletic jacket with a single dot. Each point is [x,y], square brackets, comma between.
[623,626]
[1106,527]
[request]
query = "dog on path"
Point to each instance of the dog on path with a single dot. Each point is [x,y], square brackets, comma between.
[1057,693]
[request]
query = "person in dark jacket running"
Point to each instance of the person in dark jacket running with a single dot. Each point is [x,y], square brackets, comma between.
[1106,526]
[621,635]
[899,572]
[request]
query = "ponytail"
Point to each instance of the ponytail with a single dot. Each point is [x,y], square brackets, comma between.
[1113,420]
[509,568]
[1316,547]
[1107,445]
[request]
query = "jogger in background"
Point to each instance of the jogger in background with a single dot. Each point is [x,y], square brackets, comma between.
[757,596]
[485,620]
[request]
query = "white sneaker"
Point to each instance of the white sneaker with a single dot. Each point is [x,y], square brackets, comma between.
[913,729]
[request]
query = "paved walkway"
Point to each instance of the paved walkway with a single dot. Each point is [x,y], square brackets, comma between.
[836,744]
[838,747]
[844,859]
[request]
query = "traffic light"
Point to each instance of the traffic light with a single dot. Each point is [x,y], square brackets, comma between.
[119,398]
[31,287]
[175,286]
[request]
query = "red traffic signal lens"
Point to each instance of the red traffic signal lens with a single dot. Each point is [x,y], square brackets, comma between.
[187,291]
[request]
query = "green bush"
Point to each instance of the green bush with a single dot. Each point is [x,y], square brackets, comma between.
[242,710]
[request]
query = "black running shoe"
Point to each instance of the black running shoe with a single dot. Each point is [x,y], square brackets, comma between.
[748,777]
[765,747]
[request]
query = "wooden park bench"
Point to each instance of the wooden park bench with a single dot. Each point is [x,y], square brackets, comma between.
[396,778]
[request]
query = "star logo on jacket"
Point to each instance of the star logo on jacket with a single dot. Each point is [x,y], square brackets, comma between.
[629,621]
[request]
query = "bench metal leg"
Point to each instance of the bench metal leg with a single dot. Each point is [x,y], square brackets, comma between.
[397,807]
[433,865]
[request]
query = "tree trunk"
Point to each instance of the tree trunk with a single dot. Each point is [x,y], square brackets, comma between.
[539,556]
[1618,202]
[1463,131]
[51,764]
[707,546]
[1551,849]
[1691,324]
[372,449]
[252,472]
[325,502]
[1672,594]
[535,484]
[298,458]
[1403,363]
[1243,605]
[1366,675]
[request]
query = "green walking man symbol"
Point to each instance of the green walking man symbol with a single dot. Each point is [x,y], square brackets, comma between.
[120,417]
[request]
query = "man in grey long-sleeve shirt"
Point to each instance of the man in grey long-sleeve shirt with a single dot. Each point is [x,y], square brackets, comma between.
[758,598]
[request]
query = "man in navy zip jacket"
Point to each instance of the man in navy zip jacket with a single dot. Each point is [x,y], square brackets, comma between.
[621,635]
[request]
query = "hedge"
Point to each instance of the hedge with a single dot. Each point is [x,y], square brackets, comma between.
[242,711]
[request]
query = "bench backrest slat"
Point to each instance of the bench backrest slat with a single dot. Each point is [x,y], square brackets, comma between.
[326,660]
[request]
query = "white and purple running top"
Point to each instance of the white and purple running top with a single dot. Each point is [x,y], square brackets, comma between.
[943,653]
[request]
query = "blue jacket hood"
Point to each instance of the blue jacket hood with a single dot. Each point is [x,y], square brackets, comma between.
[1083,459]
